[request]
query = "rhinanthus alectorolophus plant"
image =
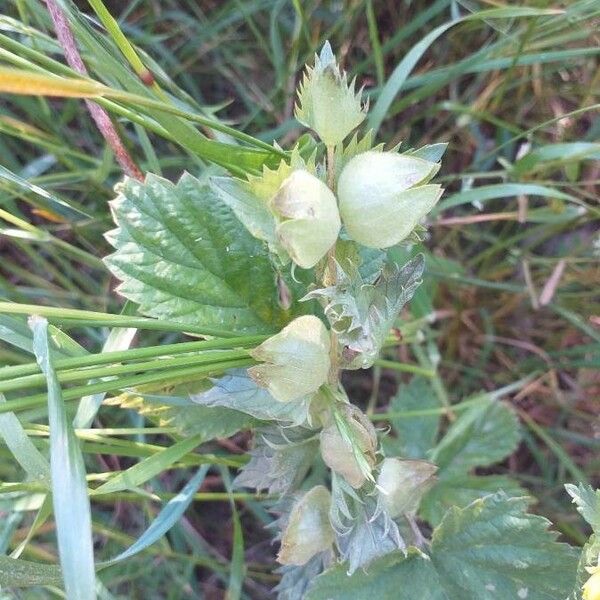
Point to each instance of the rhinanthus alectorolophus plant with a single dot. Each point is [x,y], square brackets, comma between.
[314,256]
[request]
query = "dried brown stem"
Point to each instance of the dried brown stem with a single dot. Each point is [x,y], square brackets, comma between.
[98,114]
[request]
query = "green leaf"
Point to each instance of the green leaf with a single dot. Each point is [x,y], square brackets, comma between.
[588,503]
[182,255]
[561,153]
[44,199]
[461,490]
[393,577]
[249,208]
[209,422]
[237,391]
[280,459]
[296,580]
[22,448]
[69,488]
[166,518]
[403,69]
[499,190]
[149,467]
[23,573]
[362,313]
[481,436]
[493,549]
[415,436]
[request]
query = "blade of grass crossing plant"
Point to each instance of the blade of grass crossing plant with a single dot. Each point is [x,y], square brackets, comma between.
[118,339]
[43,513]
[150,467]
[500,190]
[394,84]
[22,448]
[69,489]
[24,573]
[237,569]
[44,199]
[167,517]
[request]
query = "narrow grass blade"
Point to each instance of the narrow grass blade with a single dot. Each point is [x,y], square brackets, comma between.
[23,573]
[118,339]
[150,467]
[238,567]
[69,488]
[21,81]
[22,448]
[166,518]
[394,84]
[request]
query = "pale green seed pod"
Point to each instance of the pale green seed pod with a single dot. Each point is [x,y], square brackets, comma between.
[296,360]
[383,196]
[402,484]
[309,221]
[308,530]
[348,447]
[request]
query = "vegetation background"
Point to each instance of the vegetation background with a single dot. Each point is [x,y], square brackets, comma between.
[513,291]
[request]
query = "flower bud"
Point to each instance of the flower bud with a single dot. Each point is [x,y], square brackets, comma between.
[383,196]
[309,218]
[308,530]
[591,588]
[348,446]
[403,483]
[296,360]
[327,103]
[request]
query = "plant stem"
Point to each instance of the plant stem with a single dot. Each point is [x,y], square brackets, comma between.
[330,277]
[98,114]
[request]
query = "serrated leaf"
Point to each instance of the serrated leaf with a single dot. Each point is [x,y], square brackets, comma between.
[393,577]
[279,461]
[326,102]
[363,313]
[363,527]
[181,254]
[415,435]
[295,580]
[481,436]
[237,391]
[461,490]
[588,503]
[493,549]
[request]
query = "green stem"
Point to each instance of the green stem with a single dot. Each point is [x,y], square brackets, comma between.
[122,383]
[72,316]
[133,354]
[68,376]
